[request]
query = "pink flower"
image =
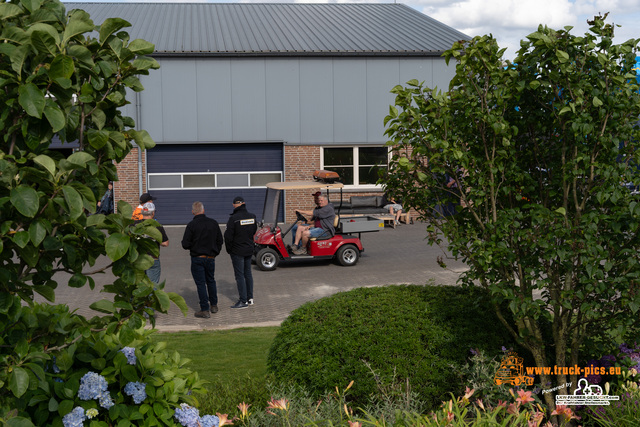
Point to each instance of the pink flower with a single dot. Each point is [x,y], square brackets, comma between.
[354,424]
[524,397]
[513,409]
[282,404]
[244,410]
[566,412]
[224,421]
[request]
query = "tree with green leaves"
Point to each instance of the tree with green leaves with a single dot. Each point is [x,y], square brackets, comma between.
[519,169]
[62,76]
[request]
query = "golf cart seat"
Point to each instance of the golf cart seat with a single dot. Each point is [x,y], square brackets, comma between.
[326,236]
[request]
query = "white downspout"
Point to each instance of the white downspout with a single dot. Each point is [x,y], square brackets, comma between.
[140,188]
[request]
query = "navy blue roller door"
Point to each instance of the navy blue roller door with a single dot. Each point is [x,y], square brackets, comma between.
[214,174]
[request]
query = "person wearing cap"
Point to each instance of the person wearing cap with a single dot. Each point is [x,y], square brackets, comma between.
[149,212]
[322,217]
[294,229]
[137,212]
[238,240]
[203,239]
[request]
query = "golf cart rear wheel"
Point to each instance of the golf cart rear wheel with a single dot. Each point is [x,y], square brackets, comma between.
[267,259]
[348,255]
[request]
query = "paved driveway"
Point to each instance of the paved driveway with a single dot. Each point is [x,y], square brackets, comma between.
[391,256]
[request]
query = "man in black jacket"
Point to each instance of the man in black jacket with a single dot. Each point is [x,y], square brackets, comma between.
[203,239]
[238,239]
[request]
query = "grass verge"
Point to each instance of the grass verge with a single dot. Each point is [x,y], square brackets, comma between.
[233,361]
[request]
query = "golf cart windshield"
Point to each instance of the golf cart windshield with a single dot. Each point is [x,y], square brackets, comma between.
[271,206]
[273,199]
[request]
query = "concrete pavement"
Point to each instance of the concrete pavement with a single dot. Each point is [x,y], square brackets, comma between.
[391,256]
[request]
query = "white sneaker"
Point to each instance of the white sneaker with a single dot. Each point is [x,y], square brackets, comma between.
[250,302]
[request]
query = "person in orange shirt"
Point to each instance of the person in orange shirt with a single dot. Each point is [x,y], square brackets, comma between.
[137,212]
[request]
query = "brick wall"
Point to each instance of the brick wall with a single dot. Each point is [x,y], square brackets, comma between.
[300,161]
[127,186]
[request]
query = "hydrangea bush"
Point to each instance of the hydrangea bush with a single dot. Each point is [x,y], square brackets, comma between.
[63,76]
[98,380]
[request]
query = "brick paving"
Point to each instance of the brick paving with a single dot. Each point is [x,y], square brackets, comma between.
[391,256]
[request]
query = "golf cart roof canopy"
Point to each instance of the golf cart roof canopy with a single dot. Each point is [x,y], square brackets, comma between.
[303,185]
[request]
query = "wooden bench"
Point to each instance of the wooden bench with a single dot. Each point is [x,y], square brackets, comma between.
[386,218]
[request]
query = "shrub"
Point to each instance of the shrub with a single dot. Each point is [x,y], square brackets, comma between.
[416,335]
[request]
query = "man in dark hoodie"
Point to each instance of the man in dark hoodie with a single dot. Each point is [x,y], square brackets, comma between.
[203,239]
[238,238]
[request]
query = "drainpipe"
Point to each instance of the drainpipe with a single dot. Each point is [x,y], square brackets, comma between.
[140,189]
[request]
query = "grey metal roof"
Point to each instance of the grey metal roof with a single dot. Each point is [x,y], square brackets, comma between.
[280,29]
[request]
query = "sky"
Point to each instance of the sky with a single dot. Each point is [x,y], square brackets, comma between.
[508,20]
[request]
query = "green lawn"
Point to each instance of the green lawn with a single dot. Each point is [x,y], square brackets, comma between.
[223,355]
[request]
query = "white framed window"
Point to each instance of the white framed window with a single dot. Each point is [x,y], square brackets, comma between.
[357,166]
[210,180]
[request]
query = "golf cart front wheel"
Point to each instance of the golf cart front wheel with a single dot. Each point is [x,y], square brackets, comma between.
[348,255]
[267,259]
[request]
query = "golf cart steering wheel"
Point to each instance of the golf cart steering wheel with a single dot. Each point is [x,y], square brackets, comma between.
[300,217]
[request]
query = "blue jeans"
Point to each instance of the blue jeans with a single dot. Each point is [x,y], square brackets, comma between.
[203,271]
[244,277]
[154,271]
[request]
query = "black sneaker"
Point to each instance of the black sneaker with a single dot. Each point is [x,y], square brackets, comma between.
[214,308]
[240,304]
[202,314]
[250,302]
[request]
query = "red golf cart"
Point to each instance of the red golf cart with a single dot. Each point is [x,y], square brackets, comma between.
[345,246]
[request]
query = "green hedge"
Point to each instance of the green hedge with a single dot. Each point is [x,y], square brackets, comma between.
[419,333]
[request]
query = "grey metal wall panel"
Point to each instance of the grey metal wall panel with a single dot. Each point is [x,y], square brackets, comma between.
[382,76]
[179,121]
[248,105]
[349,100]
[316,101]
[283,99]
[442,74]
[151,105]
[419,70]
[299,101]
[213,100]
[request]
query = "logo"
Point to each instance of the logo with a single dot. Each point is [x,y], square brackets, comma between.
[586,394]
[247,221]
[511,371]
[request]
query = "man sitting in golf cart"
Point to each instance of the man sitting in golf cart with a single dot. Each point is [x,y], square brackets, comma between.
[322,216]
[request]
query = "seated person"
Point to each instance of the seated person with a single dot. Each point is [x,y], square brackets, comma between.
[294,229]
[322,216]
[394,208]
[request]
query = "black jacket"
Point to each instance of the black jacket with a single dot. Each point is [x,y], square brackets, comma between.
[202,236]
[238,237]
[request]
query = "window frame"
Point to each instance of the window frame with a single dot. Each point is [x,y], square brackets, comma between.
[356,164]
[215,174]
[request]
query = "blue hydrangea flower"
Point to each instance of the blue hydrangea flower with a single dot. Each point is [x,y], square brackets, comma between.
[92,386]
[137,391]
[210,421]
[188,416]
[105,400]
[74,418]
[130,352]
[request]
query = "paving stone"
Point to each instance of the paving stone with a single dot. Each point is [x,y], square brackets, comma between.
[391,256]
